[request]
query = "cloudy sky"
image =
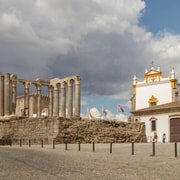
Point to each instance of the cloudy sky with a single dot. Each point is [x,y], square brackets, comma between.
[106,42]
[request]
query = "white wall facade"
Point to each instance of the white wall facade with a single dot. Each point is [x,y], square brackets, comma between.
[155,90]
[162,126]
[162,91]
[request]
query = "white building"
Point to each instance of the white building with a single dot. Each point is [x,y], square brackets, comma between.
[156,102]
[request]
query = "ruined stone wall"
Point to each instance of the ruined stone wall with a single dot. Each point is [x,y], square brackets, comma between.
[29,128]
[71,131]
[100,131]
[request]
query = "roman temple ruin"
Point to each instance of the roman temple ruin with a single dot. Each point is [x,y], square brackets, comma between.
[62,98]
[41,110]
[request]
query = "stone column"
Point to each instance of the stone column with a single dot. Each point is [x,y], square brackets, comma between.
[70,98]
[7,94]
[26,97]
[56,100]
[14,83]
[1,95]
[77,97]
[50,108]
[38,87]
[63,99]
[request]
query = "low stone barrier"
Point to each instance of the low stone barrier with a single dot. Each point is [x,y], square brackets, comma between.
[71,130]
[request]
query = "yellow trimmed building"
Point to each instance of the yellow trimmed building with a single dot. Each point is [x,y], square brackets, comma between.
[156,102]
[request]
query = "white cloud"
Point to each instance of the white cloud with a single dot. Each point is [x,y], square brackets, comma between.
[117,117]
[121,117]
[9,20]
[117,16]
[167,46]
[60,25]
[100,40]
[94,113]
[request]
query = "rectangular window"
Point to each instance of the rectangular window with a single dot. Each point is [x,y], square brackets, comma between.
[153,104]
[153,125]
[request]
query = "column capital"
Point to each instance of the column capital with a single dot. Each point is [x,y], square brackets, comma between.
[38,86]
[7,74]
[63,84]
[26,84]
[70,82]
[50,88]
[77,80]
[14,82]
[13,77]
[56,86]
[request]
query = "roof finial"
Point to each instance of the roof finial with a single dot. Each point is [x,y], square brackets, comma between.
[172,73]
[134,79]
[152,64]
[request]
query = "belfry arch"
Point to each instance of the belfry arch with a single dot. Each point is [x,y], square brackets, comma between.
[58,101]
